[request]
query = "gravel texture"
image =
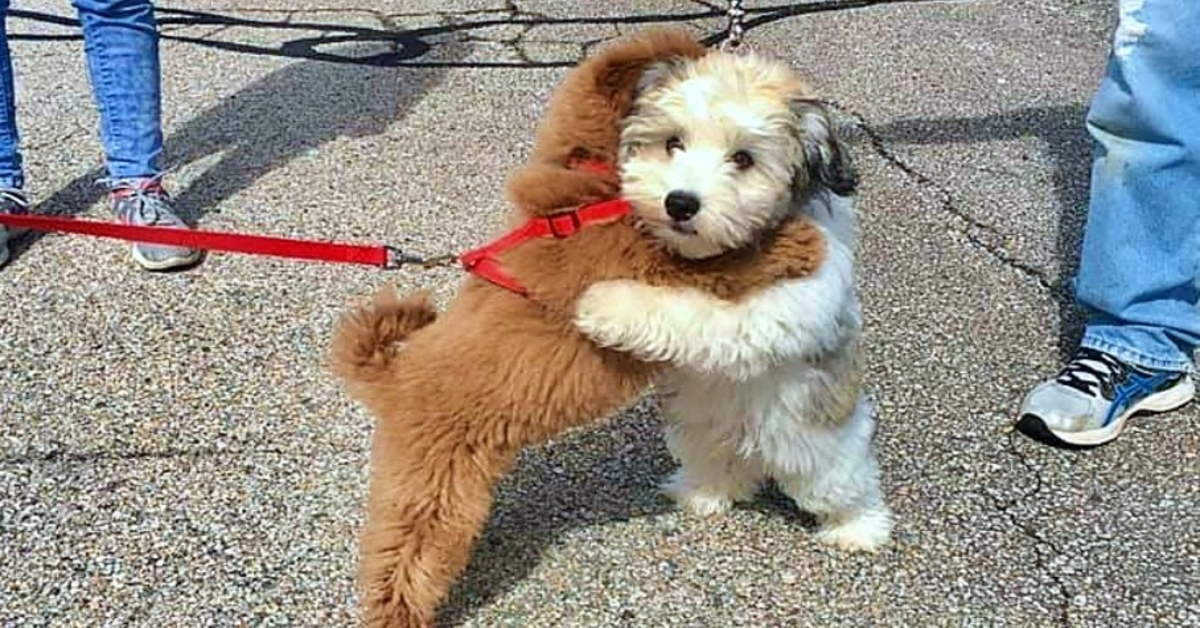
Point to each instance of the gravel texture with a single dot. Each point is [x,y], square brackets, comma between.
[173,451]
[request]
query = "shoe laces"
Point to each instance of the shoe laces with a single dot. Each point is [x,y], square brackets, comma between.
[13,201]
[1092,372]
[146,199]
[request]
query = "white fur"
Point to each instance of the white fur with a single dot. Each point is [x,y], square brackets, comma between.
[749,397]
[791,320]
[715,108]
[769,386]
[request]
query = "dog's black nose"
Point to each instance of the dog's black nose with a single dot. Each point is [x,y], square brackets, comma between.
[681,206]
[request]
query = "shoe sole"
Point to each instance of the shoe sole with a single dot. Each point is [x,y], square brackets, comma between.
[166,264]
[1168,400]
[8,235]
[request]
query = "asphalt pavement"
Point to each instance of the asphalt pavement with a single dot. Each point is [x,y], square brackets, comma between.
[174,452]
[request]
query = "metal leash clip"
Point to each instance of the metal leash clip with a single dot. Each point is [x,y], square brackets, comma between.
[440,261]
[397,259]
[737,26]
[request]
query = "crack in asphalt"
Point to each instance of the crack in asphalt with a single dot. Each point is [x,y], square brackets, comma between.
[511,12]
[980,234]
[984,236]
[170,453]
[1042,544]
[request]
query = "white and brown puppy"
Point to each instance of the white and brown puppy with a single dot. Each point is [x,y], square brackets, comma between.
[717,151]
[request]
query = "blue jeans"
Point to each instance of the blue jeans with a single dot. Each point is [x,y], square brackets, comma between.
[1139,273]
[121,42]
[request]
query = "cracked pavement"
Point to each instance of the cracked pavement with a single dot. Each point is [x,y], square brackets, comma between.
[173,451]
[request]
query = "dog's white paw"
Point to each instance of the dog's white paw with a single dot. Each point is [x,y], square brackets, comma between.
[703,501]
[703,505]
[606,310]
[863,531]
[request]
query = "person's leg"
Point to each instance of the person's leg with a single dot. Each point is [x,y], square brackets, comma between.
[1141,250]
[12,199]
[121,42]
[1139,276]
[10,156]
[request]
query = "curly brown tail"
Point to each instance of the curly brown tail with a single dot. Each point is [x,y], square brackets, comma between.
[367,338]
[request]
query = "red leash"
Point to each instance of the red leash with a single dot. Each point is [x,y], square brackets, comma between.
[481,261]
[382,256]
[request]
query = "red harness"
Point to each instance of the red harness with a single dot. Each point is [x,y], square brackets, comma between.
[483,261]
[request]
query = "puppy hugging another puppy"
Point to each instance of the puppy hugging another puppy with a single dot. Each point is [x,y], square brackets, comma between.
[769,386]
[457,395]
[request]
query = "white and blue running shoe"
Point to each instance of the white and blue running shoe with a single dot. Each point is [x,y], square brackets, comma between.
[1089,402]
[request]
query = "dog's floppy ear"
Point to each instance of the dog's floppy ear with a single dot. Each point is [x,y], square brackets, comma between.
[658,73]
[624,81]
[619,72]
[826,161]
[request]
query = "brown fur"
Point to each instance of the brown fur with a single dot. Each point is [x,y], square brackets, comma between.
[497,372]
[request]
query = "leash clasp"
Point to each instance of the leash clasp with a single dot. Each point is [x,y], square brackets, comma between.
[397,258]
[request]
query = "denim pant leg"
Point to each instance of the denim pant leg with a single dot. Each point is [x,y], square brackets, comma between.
[10,139]
[121,43]
[1139,272]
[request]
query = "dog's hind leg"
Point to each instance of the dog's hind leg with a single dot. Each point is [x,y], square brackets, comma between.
[430,497]
[840,485]
[709,483]
[713,474]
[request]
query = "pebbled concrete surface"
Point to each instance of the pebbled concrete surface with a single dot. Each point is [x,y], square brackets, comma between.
[173,452]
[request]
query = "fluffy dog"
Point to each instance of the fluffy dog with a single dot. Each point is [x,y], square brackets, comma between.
[769,387]
[456,396]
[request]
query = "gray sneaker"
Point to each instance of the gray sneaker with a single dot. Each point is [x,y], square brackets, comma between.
[1089,401]
[12,201]
[145,203]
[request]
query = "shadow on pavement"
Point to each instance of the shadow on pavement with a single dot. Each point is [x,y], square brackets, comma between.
[549,494]
[272,121]
[1066,141]
[412,42]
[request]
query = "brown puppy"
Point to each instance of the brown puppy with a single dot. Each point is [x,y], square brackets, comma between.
[499,371]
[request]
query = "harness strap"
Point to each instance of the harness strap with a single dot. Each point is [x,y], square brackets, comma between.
[483,261]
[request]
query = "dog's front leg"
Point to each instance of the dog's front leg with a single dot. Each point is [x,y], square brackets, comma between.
[644,320]
[696,330]
[430,497]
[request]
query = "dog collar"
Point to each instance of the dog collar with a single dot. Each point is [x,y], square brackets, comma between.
[483,263]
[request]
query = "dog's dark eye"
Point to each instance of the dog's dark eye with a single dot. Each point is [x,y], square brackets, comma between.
[742,159]
[674,144]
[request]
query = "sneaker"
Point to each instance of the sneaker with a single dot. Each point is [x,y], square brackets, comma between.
[1089,401]
[12,201]
[145,203]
